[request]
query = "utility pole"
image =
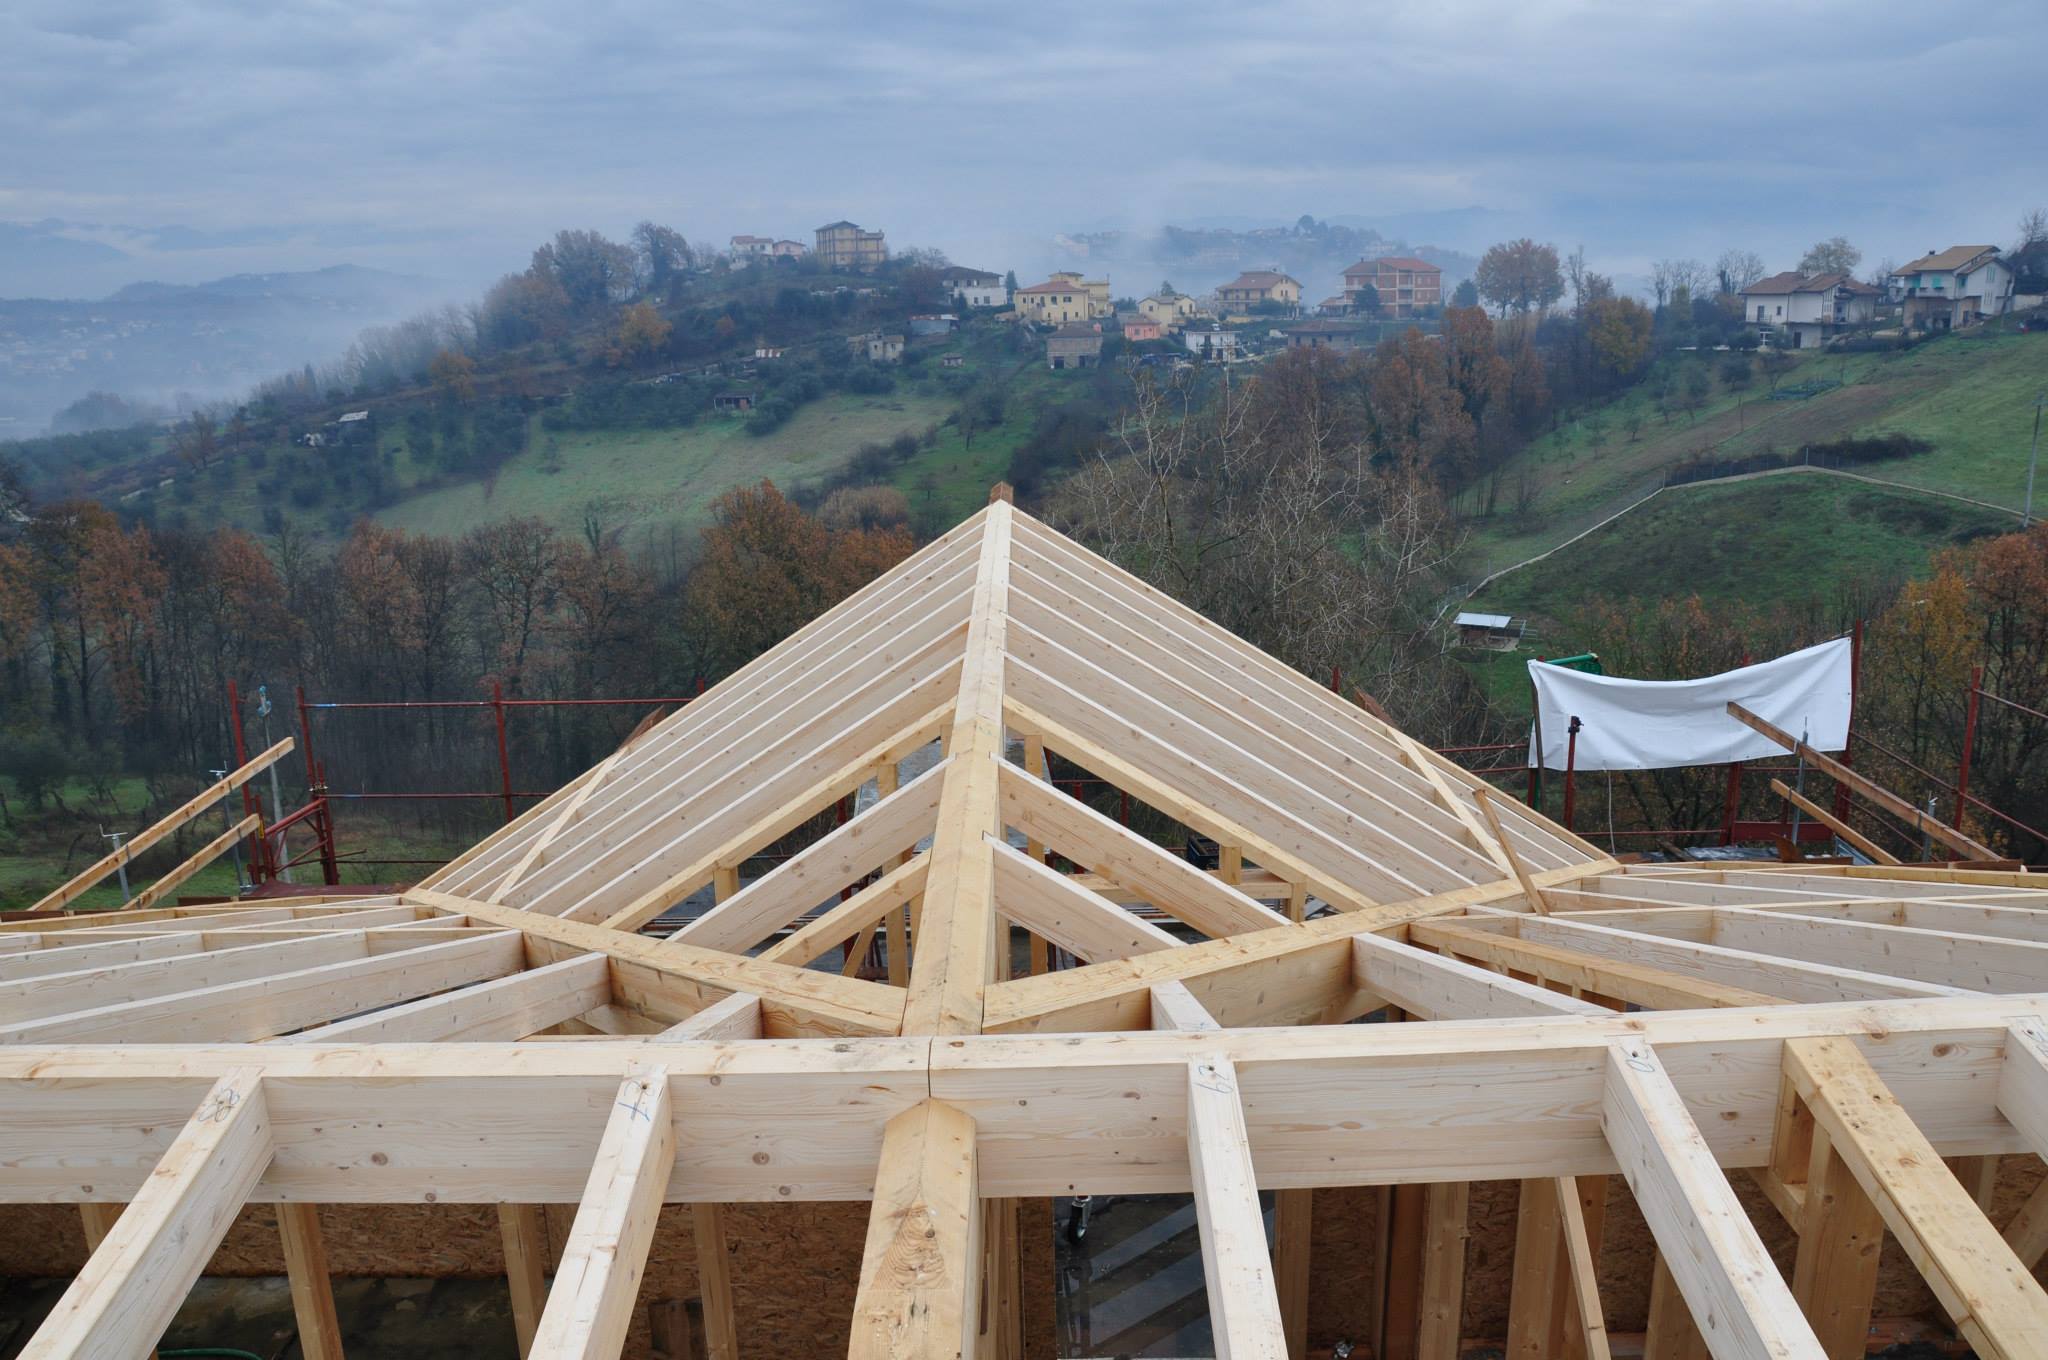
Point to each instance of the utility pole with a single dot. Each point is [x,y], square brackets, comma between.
[2027,515]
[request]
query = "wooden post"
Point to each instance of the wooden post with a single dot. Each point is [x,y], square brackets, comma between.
[1401,1316]
[305,1268]
[525,1235]
[714,1281]
[1446,1208]
[1841,1237]
[1293,1211]
[1671,1333]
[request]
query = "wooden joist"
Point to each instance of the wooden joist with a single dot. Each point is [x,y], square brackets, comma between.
[186,812]
[1865,788]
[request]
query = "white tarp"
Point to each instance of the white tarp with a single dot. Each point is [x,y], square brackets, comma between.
[1662,724]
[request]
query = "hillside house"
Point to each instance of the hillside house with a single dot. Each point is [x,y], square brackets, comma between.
[733,403]
[942,323]
[1075,345]
[885,349]
[1170,309]
[1099,305]
[744,248]
[1259,286]
[768,351]
[1496,632]
[1340,337]
[1807,309]
[1211,344]
[975,287]
[1055,302]
[1953,288]
[1405,285]
[844,245]
[788,250]
[1138,326]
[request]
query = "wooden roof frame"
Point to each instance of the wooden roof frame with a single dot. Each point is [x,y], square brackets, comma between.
[506,1033]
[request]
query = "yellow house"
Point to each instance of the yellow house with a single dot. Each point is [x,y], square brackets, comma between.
[1259,285]
[1097,290]
[1055,302]
[1171,310]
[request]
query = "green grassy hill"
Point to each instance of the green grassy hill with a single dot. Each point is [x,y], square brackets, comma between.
[640,477]
[1971,396]
[1772,539]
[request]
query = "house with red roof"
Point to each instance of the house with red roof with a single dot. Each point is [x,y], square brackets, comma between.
[1404,285]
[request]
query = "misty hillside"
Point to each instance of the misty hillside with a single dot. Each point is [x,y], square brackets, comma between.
[164,345]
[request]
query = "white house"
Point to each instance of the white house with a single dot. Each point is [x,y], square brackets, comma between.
[975,287]
[1956,287]
[1808,309]
[1217,344]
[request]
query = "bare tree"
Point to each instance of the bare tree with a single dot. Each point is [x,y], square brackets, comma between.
[1737,269]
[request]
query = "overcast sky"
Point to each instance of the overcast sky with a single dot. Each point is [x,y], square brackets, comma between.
[447,138]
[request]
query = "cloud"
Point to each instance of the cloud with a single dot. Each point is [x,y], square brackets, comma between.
[450,136]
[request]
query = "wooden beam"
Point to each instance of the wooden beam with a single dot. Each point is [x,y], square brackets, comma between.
[1537,1298]
[1175,1007]
[819,937]
[1047,903]
[1704,1235]
[524,1234]
[1439,988]
[797,1000]
[590,1307]
[1582,1272]
[1538,903]
[509,1007]
[714,1281]
[736,1017]
[818,871]
[305,1268]
[261,1007]
[956,948]
[132,1285]
[1991,1297]
[190,810]
[1485,835]
[1655,988]
[1293,1223]
[1446,1210]
[1669,1333]
[172,879]
[1244,1303]
[2023,1082]
[1833,823]
[1875,792]
[1049,818]
[920,1276]
[1841,1237]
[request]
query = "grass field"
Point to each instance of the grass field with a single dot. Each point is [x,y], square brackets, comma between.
[646,477]
[1971,396]
[1770,540]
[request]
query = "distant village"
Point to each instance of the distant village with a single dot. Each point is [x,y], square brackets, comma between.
[1262,311]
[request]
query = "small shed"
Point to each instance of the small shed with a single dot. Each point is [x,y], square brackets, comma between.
[1074,345]
[1499,632]
[733,403]
[952,361]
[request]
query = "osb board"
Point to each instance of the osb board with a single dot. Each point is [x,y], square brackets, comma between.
[794,1267]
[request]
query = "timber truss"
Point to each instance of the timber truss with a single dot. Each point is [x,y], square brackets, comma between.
[511,1032]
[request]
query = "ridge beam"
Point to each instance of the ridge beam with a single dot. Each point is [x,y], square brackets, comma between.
[135,1280]
[954,958]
